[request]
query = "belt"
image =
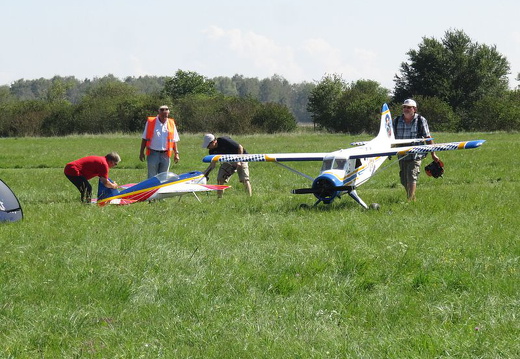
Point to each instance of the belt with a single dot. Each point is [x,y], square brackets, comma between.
[158,151]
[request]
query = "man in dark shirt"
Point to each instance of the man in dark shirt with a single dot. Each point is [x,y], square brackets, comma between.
[226,146]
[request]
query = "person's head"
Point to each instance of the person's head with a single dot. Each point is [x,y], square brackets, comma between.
[409,106]
[112,159]
[209,142]
[164,111]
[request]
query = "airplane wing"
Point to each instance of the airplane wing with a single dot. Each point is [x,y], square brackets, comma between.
[437,147]
[183,188]
[287,157]
[273,157]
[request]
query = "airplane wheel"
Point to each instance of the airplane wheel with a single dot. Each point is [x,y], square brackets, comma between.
[375,206]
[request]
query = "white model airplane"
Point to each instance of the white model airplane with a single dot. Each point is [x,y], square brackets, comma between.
[343,171]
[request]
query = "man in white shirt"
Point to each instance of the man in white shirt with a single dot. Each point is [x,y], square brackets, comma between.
[160,139]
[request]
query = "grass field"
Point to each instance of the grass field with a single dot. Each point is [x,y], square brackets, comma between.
[258,277]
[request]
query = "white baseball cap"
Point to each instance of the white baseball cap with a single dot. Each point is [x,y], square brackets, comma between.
[208,137]
[409,102]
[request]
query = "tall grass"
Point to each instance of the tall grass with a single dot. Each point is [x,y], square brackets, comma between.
[259,277]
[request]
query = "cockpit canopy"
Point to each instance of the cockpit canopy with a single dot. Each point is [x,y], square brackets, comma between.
[166,176]
[334,163]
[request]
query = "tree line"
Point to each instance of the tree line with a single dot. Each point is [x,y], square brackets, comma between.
[459,86]
[66,105]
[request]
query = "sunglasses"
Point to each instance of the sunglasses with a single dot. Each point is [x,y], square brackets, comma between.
[164,109]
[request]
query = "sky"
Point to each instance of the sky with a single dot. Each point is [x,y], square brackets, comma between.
[300,40]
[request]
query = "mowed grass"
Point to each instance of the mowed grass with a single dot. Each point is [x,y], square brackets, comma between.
[259,277]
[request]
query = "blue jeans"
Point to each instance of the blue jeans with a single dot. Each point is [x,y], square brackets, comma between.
[158,162]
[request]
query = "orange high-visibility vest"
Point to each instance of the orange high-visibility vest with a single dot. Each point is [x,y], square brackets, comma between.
[149,134]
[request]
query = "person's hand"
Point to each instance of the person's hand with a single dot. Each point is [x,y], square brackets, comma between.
[176,158]
[435,157]
[141,157]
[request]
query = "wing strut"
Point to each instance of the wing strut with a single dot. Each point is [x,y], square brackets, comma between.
[295,171]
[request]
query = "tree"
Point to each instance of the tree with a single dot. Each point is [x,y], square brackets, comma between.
[23,118]
[300,100]
[225,86]
[275,89]
[455,70]
[342,107]
[5,95]
[495,114]
[188,83]
[107,107]
[359,107]
[149,85]
[324,99]
[247,87]
[273,117]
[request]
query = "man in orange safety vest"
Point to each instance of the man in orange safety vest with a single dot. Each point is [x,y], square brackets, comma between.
[159,139]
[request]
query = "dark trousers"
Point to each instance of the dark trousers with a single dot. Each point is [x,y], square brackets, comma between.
[83,187]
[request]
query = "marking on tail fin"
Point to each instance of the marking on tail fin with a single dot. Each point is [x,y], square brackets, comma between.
[385,128]
[388,124]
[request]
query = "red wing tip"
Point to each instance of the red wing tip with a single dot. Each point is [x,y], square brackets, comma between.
[215,186]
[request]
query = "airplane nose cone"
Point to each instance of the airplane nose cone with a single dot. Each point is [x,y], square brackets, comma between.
[324,189]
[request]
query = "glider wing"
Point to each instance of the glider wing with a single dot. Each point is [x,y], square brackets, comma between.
[272,157]
[437,147]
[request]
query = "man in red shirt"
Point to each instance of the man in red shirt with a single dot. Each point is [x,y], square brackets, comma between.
[83,169]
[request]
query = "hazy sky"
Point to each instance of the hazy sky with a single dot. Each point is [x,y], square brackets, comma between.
[300,40]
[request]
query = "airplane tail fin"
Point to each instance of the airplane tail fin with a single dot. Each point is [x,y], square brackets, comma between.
[104,192]
[386,128]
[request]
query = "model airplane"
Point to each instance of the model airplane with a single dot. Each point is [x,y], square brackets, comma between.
[163,185]
[344,170]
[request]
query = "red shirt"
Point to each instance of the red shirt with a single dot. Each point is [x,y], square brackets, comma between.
[88,167]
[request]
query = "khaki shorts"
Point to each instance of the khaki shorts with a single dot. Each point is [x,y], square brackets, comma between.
[409,170]
[227,169]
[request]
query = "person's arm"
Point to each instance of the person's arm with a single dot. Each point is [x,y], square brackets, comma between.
[209,169]
[175,152]
[107,183]
[429,141]
[428,137]
[141,151]
[240,151]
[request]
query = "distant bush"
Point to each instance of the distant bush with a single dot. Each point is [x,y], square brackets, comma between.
[272,118]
